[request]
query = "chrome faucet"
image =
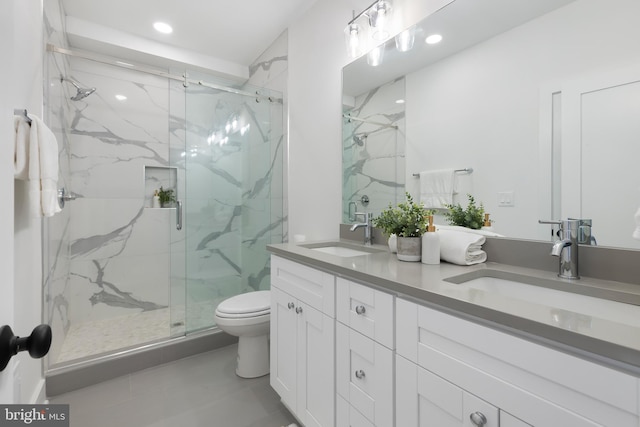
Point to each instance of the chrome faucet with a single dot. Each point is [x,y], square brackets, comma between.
[367,224]
[566,249]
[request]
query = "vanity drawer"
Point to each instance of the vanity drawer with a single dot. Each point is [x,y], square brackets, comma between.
[364,375]
[347,416]
[366,310]
[311,286]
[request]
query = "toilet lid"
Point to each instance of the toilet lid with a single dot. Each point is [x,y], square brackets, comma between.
[255,303]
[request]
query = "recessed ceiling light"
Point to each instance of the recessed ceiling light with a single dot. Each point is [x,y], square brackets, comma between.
[399,101]
[433,39]
[121,97]
[163,27]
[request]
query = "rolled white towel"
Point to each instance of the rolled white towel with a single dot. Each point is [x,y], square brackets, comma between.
[462,248]
[469,230]
[636,232]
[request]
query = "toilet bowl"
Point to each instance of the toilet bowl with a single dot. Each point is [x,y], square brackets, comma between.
[247,316]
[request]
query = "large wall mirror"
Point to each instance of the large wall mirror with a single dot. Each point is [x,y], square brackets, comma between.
[540,98]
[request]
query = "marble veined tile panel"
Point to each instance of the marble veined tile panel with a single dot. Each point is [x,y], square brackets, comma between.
[271,64]
[103,288]
[103,228]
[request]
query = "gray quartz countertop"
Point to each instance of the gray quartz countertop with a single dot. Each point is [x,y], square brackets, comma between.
[595,337]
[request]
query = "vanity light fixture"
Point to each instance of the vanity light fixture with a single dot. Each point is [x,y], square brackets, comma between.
[353,35]
[433,39]
[163,27]
[368,28]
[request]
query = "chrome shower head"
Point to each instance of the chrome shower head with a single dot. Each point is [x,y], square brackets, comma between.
[82,92]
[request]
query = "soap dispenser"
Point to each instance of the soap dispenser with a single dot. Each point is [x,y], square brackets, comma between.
[155,203]
[431,244]
[486,225]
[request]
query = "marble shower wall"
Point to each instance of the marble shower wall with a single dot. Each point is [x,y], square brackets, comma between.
[57,114]
[373,154]
[270,71]
[232,158]
[109,254]
[127,257]
[119,248]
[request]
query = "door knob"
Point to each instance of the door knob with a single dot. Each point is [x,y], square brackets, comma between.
[37,344]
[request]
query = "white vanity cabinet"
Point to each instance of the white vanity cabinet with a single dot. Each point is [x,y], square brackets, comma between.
[364,356]
[451,368]
[303,341]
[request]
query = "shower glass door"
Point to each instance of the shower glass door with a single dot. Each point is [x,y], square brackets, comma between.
[229,162]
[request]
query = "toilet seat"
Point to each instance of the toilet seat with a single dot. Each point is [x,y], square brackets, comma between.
[250,304]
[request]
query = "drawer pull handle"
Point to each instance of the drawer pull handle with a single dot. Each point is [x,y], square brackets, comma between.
[478,419]
[298,310]
[360,374]
[360,309]
[291,305]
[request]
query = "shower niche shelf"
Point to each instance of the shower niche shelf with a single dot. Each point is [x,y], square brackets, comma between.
[156,177]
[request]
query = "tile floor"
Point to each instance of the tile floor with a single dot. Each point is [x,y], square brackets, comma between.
[201,390]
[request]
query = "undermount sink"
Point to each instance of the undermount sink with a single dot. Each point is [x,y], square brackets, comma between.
[341,249]
[563,296]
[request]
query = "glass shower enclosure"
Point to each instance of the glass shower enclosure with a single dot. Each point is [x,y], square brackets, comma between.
[122,272]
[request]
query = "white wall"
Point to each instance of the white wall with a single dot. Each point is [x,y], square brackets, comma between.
[20,253]
[316,56]
[6,187]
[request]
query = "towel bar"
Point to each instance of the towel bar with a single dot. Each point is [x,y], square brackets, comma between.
[22,113]
[465,170]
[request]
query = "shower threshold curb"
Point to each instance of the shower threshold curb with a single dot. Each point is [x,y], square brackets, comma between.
[76,376]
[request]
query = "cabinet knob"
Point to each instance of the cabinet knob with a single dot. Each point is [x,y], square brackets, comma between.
[298,310]
[360,374]
[478,419]
[360,309]
[291,305]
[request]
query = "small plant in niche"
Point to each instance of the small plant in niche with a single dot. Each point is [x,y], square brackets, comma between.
[408,219]
[166,197]
[471,217]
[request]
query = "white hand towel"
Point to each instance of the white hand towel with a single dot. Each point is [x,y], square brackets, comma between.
[36,161]
[21,148]
[462,248]
[636,232]
[437,188]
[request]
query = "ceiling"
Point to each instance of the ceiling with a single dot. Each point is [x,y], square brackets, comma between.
[235,31]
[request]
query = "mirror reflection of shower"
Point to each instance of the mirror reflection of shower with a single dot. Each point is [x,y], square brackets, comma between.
[82,92]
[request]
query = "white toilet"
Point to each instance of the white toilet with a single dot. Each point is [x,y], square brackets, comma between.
[247,316]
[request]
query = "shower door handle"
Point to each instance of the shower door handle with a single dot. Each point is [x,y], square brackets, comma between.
[178,215]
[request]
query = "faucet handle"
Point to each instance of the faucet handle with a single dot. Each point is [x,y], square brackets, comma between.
[552,222]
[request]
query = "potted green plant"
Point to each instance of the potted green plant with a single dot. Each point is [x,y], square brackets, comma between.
[408,221]
[471,217]
[167,198]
